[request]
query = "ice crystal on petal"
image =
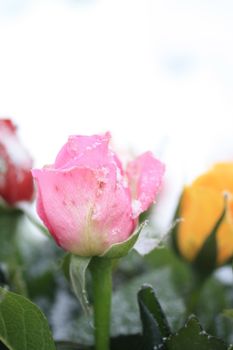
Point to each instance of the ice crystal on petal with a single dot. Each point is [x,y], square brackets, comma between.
[115,232]
[136,208]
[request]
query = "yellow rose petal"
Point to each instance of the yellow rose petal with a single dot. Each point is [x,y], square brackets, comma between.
[200,209]
[201,206]
[219,178]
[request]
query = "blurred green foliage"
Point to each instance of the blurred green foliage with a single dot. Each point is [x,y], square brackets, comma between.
[38,269]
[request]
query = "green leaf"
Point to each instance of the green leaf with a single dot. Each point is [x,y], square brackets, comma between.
[146,215]
[2,346]
[22,324]
[206,259]
[148,299]
[119,250]
[154,322]
[215,296]
[125,313]
[78,267]
[65,265]
[193,337]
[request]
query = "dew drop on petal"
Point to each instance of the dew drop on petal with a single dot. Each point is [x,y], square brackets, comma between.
[102,174]
[115,232]
[118,174]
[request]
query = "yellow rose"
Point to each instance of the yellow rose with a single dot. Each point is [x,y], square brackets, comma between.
[201,206]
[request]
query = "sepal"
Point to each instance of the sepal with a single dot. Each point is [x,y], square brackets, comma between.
[206,259]
[77,271]
[121,249]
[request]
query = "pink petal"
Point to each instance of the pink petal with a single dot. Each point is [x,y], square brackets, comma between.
[65,200]
[145,176]
[112,211]
[88,151]
[85,210]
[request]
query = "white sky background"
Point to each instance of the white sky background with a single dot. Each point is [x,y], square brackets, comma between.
[158,74]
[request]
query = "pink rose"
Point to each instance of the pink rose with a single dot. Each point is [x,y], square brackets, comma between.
[16,181]
[86,199]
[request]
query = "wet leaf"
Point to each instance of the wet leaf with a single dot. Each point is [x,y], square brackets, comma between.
[22,324]
[154,322]
[193,337]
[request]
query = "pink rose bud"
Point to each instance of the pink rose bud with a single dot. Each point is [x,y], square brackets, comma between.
[86,199]
[16,183]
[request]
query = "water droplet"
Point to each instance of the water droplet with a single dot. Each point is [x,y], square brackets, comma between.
[102,174]
[202,333]
[115,232]
[93,146]
[118,174]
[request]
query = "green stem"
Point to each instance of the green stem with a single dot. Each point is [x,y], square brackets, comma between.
[195,291]
[192,302]
[101,269]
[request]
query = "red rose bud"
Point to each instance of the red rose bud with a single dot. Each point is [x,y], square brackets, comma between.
[16,182]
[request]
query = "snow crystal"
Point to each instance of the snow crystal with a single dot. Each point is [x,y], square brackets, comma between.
[136,208]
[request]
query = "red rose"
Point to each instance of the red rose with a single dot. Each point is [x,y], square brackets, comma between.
[16,182]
